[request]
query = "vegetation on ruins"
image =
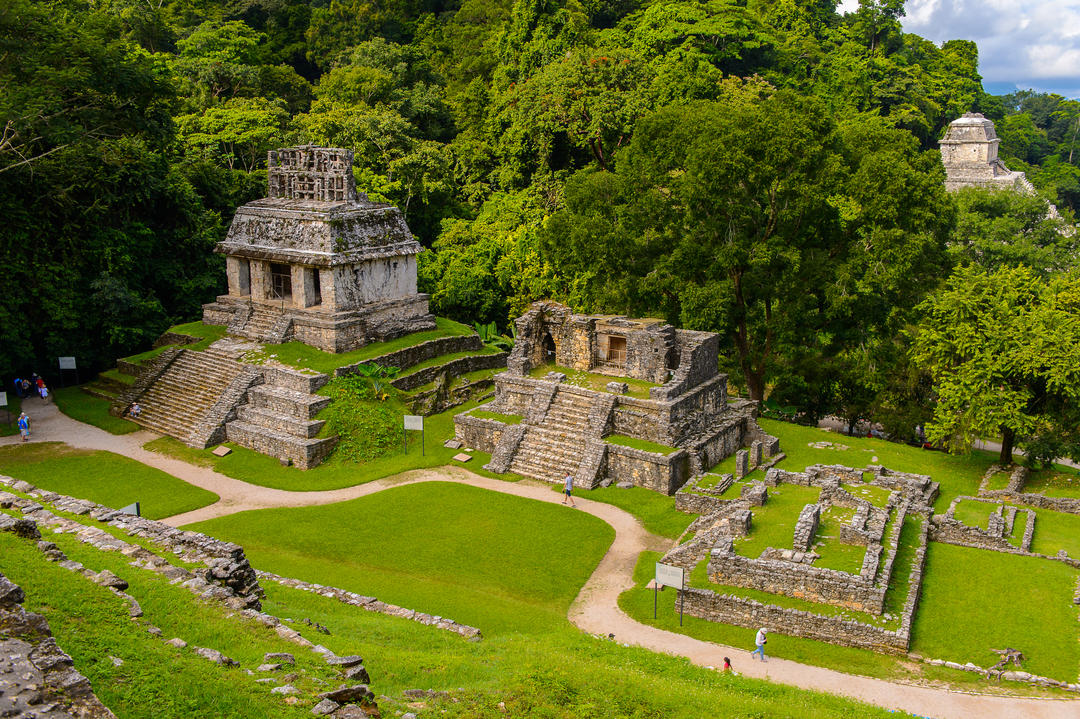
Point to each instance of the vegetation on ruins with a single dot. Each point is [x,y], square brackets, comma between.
[539,149]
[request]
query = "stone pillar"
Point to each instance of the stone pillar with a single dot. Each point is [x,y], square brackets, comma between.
[755,453]
[328,289]
[742,464]
[260,280]
[300,289]
[238,271]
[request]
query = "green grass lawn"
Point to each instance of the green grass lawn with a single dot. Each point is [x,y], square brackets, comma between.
[497,416]
[773,524]
[302,356]
[1056,481]
[974,514]
[1054,531]
[337,471]
[77,404]
[642,444]
[655,511]
[592,380]
[877,496]
[974,600]
[999,480]
[957,474]
[208,334]
[102,477]
[494,561]
[834,553]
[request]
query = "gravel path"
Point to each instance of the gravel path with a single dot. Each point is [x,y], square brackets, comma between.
[596,608]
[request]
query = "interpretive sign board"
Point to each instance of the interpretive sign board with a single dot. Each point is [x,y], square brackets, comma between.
[669,576]
[414,421]
[67,363]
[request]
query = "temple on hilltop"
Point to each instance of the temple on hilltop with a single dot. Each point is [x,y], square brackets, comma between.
[969,152]
[607,399]
[318,263]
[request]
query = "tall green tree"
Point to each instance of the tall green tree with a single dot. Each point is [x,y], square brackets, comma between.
[1003,348]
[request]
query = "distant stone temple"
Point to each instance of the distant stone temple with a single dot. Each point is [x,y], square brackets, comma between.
[969,152]
[565,421]
[316,262]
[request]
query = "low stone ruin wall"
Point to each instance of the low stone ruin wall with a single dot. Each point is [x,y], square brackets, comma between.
[950,531]
[478,432]
[812,583]
[227,566]
[410,356]
[459,366]
[1069,505]
[741,612]
[662,473]
[37,679]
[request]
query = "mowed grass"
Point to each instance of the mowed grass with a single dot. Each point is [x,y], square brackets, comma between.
[957,474]
[102,477]
[655,511]
[78,405]
[975,600]
[773,525]
[155,679]
[1055,531]
[497,562]
[302,356]
[337,471]
[556,675]
[1055,481]
[973,513]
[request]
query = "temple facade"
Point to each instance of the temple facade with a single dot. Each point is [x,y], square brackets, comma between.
[316,262]
[969,152]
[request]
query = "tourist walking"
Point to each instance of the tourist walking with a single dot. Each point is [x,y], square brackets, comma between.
[24,426]
[568,488]
[760,639]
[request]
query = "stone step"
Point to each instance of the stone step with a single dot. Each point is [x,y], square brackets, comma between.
[303,452]
[286,401]
[277,421]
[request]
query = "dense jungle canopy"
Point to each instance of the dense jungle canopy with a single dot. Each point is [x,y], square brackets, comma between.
[766,169]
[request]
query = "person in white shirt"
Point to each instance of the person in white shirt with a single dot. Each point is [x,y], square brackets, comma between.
[760,640]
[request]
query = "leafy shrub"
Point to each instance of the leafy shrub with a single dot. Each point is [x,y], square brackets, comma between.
[366,417]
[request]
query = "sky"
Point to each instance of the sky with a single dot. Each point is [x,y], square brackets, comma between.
[1022,43]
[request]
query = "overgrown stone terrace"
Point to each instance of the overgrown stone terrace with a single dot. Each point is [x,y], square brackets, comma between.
[37,677]
[684,424]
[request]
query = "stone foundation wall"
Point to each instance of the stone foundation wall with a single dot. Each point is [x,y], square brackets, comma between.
[303,456]
[741,612]
[295,380]
[662,473]
[637,418]
[460,366]
[217,313]
[478,432]
[410,356]
[815,584]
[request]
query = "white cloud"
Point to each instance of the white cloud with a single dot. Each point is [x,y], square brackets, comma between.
[1022,43]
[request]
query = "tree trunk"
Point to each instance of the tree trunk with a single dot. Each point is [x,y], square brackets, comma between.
[1008,438]
[755,385]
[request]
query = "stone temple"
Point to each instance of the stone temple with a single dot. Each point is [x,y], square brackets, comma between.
[562,416]
[969,152]
[317,263]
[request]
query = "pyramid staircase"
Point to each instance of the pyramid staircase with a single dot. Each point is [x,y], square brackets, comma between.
[262,323]
[554,447]
[279,418]
[188,394]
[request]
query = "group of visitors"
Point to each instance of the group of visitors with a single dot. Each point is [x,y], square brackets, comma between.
[28,387]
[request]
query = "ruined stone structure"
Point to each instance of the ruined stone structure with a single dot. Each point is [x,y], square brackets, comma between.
[969,152]
[316,262]
[563,427]
[792,572]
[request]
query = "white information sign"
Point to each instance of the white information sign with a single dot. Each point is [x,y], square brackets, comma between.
[67,363]
[414,421]
[3,399]
[669,576]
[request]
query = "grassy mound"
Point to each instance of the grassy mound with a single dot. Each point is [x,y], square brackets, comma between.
[102,477]
[494,561]
[80,406]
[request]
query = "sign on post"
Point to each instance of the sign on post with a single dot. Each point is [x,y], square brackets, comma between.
[668,575]
[415,422]
[4,404]
[69,364]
